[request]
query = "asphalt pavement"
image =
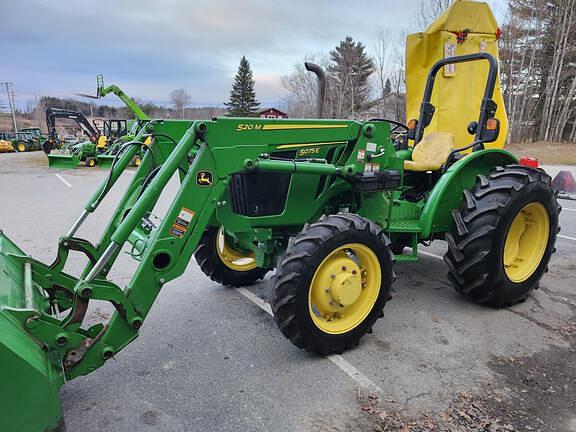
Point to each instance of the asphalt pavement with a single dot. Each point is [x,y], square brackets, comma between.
[210,358]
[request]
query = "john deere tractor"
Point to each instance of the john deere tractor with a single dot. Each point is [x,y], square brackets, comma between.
[22,141]
[330,205]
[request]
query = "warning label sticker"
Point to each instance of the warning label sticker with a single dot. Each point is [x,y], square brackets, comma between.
[177,231]
[185,217]
[183,220]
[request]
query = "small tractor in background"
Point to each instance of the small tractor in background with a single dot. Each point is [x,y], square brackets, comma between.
[106,137]
[36,133]
[66,155]
[106,158]
[330,205]
[21,141]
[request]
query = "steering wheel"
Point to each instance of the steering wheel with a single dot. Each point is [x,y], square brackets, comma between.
[400,141]
[396,125]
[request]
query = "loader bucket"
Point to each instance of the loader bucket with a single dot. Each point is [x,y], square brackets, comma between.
[63,161]
[30,377]
[105,161]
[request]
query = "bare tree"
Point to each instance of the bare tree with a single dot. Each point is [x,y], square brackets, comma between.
[560,83]
[302,87]
[180,99]
[381,53]
[429,10]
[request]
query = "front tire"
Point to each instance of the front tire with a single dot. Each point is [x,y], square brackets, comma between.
[332,283]
[136,161]
[223,264]
[91,162]
[503,236]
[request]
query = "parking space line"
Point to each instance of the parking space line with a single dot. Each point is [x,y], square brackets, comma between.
[63,180]
[336,359]
[567,209]
[129,172]
[562,299]
[566,237]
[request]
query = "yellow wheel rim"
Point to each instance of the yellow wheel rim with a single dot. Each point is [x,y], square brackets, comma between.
[344,288]
[137,162]
[526,242]
[21,147]
[236,260]
[91,163]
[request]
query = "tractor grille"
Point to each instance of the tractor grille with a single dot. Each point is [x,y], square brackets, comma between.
[259,194]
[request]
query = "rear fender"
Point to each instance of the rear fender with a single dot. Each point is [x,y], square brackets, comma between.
[447,193]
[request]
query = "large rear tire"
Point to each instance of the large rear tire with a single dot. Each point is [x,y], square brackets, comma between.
[332,283]
[503,236]
[223,264]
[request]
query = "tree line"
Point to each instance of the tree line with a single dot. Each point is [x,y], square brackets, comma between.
[537,69]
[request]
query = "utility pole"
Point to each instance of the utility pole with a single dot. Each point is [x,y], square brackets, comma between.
[11,103]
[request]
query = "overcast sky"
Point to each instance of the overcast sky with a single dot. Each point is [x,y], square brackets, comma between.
[150,47]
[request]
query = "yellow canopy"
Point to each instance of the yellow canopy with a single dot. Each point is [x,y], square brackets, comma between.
[466,27]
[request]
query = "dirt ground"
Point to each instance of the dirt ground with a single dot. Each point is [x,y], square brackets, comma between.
[547,153]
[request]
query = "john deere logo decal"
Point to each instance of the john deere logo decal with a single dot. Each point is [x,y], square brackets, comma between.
[204,178]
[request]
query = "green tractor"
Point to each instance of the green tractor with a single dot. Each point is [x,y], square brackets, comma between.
[325,203]
[106,158]
[102,134]
[68,155]
[22,141]
[36,133]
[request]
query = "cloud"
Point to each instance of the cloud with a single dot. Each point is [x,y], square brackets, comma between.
[149,47]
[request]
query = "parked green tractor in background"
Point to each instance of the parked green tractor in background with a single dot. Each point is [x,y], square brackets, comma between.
[22,141]
[322,202]
[106,137]
[36,133]
[68,155]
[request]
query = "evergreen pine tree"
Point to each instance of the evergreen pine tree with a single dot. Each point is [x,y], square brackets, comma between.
[242,102]
[350,69]
[387,87]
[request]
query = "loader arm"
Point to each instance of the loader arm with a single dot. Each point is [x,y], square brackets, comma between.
[133,106]
[54,113]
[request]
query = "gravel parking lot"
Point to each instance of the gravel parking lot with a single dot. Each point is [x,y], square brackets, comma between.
[210,358]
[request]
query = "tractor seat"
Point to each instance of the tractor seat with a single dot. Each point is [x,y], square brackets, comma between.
[431,153]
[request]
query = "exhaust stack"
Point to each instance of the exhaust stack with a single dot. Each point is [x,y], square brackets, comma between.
[312,67]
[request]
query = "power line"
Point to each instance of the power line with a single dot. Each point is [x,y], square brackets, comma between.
[11,103]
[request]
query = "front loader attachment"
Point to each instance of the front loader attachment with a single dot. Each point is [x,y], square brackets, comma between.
[63,161]
[45,339]
[105,160]
[30,375]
